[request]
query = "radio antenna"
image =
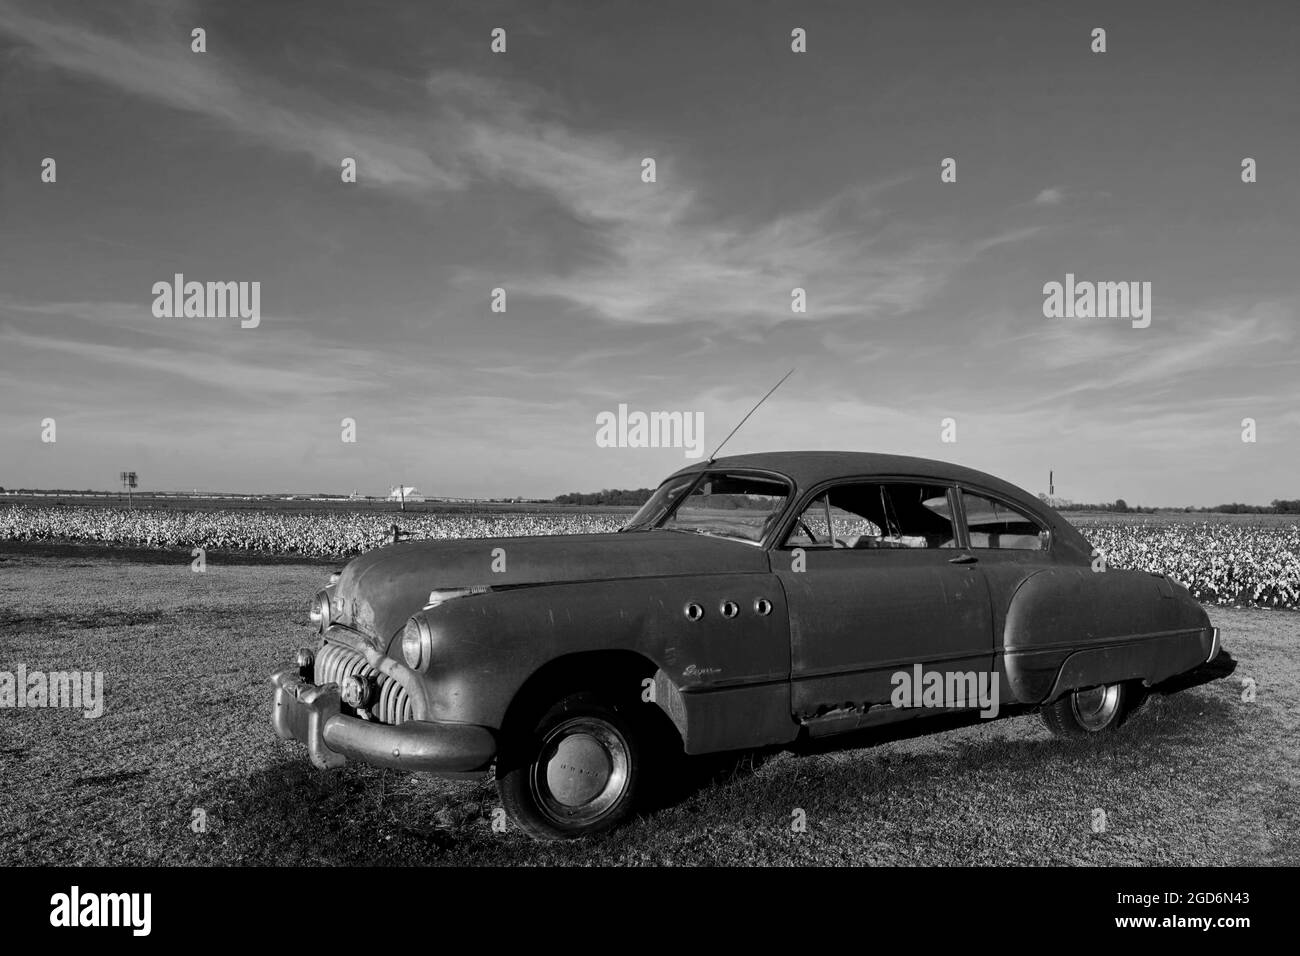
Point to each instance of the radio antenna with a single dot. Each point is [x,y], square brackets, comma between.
[747,414]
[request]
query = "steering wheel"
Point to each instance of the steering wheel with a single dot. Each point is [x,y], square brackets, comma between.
[808,531]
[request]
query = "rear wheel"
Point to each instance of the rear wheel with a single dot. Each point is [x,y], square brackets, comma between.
[1088,710]
[574,772]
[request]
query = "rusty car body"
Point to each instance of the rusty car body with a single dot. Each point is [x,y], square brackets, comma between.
[755,601]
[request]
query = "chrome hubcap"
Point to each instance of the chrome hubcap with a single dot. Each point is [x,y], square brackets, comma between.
[578,771]
[1095,707]
[582,770]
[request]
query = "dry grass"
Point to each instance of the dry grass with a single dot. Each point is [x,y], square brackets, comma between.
[1197,778]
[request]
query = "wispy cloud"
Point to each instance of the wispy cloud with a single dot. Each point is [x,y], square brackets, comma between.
[1005,238]
[151,58]
[1179,345]
[668,257]
[84,338]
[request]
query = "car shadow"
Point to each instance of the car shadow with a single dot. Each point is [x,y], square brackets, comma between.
[699,773]
[1223,665]
[289,812]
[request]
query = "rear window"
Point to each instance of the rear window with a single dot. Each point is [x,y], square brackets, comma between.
[995,524]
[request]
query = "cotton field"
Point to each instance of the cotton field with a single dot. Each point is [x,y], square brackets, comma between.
[1220,562]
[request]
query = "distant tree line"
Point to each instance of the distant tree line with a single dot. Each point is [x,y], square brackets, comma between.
[731,502]
[607,496]
[57,491]
[1118,506]
[622,496]
[1279,506]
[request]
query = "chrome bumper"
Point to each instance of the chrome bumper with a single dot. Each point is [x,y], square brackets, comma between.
[310,713]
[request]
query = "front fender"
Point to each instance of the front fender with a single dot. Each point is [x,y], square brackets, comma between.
[725,680]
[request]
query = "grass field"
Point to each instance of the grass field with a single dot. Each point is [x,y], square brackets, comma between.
[1200,777]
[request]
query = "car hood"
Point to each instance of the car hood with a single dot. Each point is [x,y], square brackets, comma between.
[379,590]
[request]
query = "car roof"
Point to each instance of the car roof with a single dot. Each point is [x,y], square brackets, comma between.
[809,468]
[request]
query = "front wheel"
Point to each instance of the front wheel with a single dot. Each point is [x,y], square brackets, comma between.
[1088,710]
[576,772]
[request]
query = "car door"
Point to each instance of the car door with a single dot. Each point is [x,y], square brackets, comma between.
[889,591]
[1008,545]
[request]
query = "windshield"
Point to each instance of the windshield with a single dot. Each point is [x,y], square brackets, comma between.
[741,507]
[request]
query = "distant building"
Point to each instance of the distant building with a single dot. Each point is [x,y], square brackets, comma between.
[405,493]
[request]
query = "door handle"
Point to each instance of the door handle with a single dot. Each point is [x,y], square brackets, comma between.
[963,559]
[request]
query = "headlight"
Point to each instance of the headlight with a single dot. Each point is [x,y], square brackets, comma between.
[417,643]
[320,612]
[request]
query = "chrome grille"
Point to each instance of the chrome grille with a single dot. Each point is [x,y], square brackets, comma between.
[392,704]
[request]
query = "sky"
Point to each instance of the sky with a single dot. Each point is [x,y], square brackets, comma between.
[523,170]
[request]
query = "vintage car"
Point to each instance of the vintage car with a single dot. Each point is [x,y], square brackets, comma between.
[755,601]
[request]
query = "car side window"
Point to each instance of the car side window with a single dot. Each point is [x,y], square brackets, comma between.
[825,525]
[876,515]
[997,525]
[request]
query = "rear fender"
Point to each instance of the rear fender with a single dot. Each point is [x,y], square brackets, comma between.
[1073,627]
